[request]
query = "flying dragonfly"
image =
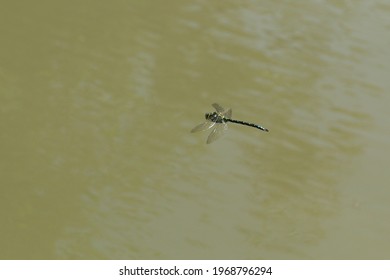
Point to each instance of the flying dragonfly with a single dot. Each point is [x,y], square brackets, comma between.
[218,121]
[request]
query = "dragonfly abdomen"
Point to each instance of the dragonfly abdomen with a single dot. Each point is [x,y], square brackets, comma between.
[247,124]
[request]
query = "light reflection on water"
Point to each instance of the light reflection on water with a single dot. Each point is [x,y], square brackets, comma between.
[102,164]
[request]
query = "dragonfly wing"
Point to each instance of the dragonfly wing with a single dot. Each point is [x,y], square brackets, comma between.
[218,107]
[217,132]
[228,113]
[203,126]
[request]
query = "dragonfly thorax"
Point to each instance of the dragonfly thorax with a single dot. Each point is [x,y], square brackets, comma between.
[214,117]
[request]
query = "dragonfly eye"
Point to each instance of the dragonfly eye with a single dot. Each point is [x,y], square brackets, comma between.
[207,115]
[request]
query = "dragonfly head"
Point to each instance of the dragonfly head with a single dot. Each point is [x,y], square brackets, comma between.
[209,116]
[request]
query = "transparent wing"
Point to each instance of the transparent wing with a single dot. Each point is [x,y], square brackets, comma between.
[228,113]
[217,132]
[203,126]
[218,107]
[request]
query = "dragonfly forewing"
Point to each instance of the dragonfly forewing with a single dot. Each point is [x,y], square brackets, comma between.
[203,126]
[218,107]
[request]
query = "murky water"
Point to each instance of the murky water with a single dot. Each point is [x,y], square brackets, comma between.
[97,101]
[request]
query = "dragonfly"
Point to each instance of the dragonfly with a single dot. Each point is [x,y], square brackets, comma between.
[218,122]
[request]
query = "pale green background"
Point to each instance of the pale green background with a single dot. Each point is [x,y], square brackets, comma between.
[97,99]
